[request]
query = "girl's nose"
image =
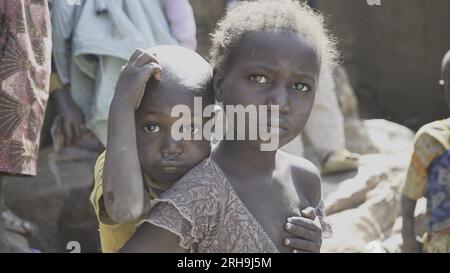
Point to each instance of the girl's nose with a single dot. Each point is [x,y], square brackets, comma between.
[279,96]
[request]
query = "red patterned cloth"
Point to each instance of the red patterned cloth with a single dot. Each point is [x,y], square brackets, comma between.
[25,66]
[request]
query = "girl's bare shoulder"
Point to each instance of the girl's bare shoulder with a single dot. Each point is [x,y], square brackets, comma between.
[305,175]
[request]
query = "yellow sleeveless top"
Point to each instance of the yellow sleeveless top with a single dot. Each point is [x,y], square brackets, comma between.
[113,236]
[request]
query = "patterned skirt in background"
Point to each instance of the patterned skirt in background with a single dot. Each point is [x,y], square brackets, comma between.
[25,66]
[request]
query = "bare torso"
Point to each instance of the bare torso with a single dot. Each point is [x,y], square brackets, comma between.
[271,200]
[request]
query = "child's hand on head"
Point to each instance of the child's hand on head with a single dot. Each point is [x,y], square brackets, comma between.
[307,231]
[134,76]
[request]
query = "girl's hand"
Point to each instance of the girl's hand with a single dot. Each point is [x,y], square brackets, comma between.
[134,76]
[307,231]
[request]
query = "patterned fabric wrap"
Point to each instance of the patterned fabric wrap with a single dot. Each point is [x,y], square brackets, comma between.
[25,52]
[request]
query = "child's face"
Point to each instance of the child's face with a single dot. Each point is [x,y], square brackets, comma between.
[272,69]
[162,158]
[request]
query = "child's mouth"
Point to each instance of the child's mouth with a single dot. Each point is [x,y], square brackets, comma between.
[171,167]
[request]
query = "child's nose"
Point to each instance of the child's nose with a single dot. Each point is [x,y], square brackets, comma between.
[279,96]
[171,148]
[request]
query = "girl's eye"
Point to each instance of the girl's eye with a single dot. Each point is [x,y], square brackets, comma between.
[191,129]
[259,79]
[152,128]
[301,87]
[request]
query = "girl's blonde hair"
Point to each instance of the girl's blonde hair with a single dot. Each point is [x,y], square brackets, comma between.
[274,16]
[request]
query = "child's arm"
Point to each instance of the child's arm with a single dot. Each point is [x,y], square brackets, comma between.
[410,243]
[152,239]
[182,22]
[122,179]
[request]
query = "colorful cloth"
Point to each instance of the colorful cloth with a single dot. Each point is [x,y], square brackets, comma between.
[437,243]
[431,141]
[428,176]
[180,15]
[113,236]
[208,216]
[25,67]
[438,193]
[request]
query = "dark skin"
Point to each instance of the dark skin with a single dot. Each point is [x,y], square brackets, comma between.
[410,243]
[70,112]
[445,83]
[139,137]
[278,189]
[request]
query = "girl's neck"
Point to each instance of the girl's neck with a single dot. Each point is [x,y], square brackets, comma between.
[241,160]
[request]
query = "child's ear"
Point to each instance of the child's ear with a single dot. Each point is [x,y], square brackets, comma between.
[442,86]
[217,82]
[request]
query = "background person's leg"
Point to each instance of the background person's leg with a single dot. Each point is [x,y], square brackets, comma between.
[325,127]
[6,246]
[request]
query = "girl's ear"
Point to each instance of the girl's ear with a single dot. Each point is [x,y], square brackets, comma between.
[218,80]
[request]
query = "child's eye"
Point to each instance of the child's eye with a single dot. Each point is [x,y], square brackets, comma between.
[301,87]
[261,79]
[152,128]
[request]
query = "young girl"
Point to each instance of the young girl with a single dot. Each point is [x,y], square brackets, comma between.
[238,200]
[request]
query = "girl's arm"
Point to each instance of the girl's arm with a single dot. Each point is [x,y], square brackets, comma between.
[182,22]
[123,190]
[306,230]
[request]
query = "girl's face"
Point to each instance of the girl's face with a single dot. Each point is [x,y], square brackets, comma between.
[271,68]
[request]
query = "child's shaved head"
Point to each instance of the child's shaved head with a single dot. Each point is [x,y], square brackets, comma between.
[445,80]
[183,67]
[445,68]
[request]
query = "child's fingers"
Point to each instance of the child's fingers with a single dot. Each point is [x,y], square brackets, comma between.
[68,136]
[135,55]
[77,131]
[305,222]
[302,232]
[151,69]
[303,245]
[144,59]
[309,213]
